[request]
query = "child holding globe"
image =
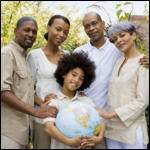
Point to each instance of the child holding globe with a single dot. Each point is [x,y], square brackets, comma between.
[75,72]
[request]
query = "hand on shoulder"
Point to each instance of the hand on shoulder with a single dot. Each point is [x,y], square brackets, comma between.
[50,96]
[144,61]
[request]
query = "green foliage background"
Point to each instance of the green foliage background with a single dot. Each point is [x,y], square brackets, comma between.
[11,11]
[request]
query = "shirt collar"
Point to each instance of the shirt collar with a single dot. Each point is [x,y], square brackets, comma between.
[18,48]
[104,47]
[62,96]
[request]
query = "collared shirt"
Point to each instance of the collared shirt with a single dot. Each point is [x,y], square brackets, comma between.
[59,103]
[104,58]
[128,95]
[17,78]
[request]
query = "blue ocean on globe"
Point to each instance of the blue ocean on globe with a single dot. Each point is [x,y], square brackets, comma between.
[78,118]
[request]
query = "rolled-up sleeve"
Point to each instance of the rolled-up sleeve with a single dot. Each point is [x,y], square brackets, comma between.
[135,109]
[6,72]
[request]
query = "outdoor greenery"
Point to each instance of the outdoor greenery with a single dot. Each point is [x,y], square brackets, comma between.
[11,11]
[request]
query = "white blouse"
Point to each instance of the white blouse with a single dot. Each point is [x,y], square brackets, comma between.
[43,75]
[128,95]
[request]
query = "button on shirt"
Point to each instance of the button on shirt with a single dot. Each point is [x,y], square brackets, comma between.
[61,102]
[17,78]
[104,58]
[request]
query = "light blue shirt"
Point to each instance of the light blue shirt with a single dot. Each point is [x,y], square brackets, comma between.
[105,58]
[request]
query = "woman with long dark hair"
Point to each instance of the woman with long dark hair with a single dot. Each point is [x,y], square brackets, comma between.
[43,63]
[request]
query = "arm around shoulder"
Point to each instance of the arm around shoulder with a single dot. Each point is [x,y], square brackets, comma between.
[14,102]
[145,61]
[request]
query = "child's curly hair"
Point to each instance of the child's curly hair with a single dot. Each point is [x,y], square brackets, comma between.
[74,60]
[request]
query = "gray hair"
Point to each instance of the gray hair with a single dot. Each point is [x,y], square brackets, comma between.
[121,26]
[98,16]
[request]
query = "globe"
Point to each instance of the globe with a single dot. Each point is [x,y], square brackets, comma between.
[78,118]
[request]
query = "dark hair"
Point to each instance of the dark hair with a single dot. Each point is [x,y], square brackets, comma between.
[23,19]
[73,60]
[52,20]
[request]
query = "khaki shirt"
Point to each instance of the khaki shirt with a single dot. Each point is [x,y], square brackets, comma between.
[16,77]
[128,95]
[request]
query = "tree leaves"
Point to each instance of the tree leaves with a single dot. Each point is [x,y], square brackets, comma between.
[119,12]
[126,3]
[147,17]
[12,11]
[117,5]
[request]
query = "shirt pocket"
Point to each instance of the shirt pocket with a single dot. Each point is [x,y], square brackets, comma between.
[20,83]
[105,74]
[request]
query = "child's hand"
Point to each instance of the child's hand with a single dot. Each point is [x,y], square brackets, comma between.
[87,143]
[90,142]
[75,141]
[96,139]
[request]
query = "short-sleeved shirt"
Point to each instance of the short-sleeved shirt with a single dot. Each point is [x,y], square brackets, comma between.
[128,95]
[43,74]
[60,103]
[104,58]
[16,77]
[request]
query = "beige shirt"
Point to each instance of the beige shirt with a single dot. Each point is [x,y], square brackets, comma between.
[61,102]
[128,95]
[16,77]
